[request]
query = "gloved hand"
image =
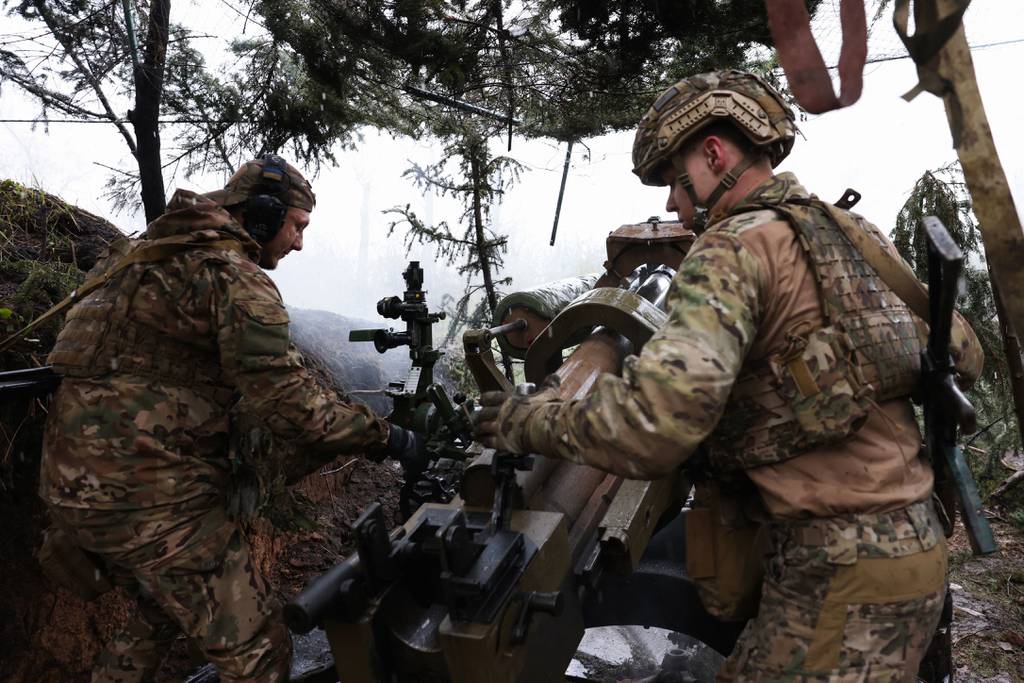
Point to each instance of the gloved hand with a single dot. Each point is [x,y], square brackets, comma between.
[485,420]
[409,448]
[505,421]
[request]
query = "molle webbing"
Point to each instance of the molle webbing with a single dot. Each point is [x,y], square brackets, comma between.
[131,348]
[880,325]
[100,336]
[142,251]
[871,352]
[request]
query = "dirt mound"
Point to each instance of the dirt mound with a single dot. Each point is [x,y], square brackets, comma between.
[47,246]
[46,633]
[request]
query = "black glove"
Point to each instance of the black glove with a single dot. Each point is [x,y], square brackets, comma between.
[409,448]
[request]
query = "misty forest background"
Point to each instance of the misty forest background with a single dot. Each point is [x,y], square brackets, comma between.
[310,79]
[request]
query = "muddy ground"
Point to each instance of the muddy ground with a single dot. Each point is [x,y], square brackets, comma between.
[988,603]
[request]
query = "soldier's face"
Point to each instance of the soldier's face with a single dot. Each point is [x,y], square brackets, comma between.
[287,239]
[678,200]
[704,164]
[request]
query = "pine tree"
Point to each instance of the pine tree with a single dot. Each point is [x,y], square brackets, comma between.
[468,71]
[174,111]
[943,193]
[476,249]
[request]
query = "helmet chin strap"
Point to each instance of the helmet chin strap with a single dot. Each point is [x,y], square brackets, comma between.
[727,183]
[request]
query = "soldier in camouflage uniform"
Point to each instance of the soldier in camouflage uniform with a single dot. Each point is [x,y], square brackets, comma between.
[786,362]
[135,466]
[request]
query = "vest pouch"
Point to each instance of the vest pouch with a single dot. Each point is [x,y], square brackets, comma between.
[67,565]
[724,550]
[819,377]
[251,451]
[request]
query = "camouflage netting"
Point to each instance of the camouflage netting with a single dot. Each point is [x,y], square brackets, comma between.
[46,633]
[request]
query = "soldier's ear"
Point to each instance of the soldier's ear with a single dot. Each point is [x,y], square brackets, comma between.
[714,151]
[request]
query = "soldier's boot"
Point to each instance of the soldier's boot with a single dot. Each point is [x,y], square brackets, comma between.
[135,653]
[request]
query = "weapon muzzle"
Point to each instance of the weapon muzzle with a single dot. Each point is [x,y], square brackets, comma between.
[333,590]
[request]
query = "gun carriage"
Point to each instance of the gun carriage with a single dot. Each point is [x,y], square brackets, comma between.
[499,582]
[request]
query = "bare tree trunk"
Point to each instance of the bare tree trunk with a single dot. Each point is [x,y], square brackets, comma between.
[990,193]
[149,79]
[1012,349]
[1008,483]
[483,251]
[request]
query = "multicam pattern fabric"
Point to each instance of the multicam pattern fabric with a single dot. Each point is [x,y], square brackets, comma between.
[846,596]
[820,388]
[672,396]
[138,433]
[152,361]
[249,181]
[205,586]
[759,112]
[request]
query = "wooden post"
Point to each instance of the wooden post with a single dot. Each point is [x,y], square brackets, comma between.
[1012,349]
[950,74]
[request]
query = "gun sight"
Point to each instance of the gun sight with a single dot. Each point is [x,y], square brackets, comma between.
[383,340]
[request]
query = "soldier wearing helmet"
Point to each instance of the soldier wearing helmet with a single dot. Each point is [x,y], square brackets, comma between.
[781,378]
[138,468]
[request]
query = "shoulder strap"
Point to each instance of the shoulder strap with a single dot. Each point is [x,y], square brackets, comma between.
[158,250]
[894,271]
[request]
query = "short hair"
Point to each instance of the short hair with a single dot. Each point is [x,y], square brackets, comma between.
[729,132]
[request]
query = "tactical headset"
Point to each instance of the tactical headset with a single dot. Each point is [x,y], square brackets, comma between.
[264,213]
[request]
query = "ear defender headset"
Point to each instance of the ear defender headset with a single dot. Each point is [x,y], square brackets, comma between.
[264,212]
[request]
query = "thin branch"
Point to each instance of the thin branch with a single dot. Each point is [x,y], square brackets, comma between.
[69,50]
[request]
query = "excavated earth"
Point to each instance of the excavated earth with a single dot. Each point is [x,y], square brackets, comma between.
[48,634]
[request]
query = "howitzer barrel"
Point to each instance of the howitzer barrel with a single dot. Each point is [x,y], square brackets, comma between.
[488,586]
[565,486]
[579,492]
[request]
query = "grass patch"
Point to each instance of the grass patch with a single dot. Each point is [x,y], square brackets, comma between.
[983,658]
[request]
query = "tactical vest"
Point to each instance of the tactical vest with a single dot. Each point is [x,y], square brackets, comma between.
[101,337]
[818,389]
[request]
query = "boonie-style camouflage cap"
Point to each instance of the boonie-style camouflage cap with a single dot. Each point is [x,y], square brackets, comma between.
[741,98]
[260,177]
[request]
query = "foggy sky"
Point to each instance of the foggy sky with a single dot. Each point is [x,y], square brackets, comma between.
[878,146]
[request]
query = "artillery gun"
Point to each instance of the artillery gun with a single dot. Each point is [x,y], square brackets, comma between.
[420,404]
[499,583]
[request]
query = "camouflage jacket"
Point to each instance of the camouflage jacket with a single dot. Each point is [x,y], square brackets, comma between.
[154,360]
[723,308]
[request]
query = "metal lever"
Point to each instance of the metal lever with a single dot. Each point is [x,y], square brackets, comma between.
[536,603]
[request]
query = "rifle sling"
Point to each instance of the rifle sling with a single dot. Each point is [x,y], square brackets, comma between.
[158,250]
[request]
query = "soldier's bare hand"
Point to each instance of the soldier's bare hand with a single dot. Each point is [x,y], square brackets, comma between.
[485,420]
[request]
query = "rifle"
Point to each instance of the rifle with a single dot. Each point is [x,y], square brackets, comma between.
[28,383]
[945,407]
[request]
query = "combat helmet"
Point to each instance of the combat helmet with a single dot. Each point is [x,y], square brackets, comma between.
[743,99]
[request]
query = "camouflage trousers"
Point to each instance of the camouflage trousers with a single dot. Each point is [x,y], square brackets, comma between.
[206,588]
[846,599]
